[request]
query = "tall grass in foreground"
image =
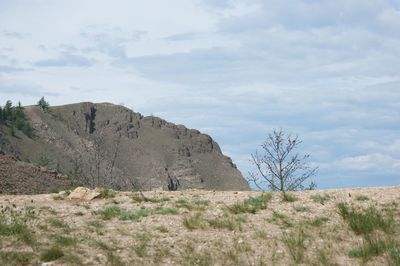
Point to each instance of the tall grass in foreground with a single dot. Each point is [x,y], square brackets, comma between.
[370,223]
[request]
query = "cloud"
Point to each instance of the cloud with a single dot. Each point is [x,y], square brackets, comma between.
[11,34]
[24,89]
[11,69]
[370,162]
[182,36]
[65,60]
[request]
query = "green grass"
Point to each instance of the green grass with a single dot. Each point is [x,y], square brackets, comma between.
[371,247]
[394,255]
[251,205]
[96,224]
[191,256]
[106,193]
[165,211]
[16,258]
[65,241]
[201,202]
[362,198]
[288,197]
[102,245]
[281,219]
[226,222]
[320,199]
[17,223]
[134,215]
[52,254]
[58,223]
[140,197]
[294,241]
[365,221]
[162,229]
[301,208]
[114,260]
[318,221]
[140,247]
[111,212]
[195,205]
[194,221]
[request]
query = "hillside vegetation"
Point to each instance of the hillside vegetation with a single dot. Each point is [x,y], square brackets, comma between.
[197,227]
[112,146]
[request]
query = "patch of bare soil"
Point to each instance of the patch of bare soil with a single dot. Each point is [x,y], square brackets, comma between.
[197,227]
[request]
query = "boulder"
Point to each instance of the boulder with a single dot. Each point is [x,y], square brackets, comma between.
[83,193]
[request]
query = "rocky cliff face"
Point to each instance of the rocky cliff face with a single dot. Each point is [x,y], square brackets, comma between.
[110,145]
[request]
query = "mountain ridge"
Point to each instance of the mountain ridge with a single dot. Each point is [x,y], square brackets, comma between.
[102,144]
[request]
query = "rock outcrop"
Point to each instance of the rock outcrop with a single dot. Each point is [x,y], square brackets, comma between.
[109,145]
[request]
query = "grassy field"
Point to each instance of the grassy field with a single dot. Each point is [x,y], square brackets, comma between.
[196,227]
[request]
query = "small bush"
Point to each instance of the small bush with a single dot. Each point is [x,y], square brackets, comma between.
[52,254]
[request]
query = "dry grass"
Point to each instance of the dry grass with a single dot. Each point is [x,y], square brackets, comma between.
[203,228]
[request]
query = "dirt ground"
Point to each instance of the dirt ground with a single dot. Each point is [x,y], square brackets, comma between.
[197,227]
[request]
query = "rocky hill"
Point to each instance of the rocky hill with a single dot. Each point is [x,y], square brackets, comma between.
[112,146]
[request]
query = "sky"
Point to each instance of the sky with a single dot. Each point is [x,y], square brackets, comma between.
[328,71]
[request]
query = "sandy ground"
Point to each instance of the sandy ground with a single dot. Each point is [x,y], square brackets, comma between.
[193,227]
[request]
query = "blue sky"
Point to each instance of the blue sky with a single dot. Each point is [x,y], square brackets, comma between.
[326,70]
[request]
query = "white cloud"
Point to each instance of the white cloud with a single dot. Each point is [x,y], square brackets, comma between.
[376,162]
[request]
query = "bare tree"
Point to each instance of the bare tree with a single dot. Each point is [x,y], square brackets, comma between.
[102,163]
[278,165]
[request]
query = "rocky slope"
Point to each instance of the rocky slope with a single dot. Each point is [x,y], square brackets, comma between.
[18,177]
[110,145]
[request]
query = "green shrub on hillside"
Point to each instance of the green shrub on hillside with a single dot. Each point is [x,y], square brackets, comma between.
[14,117]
